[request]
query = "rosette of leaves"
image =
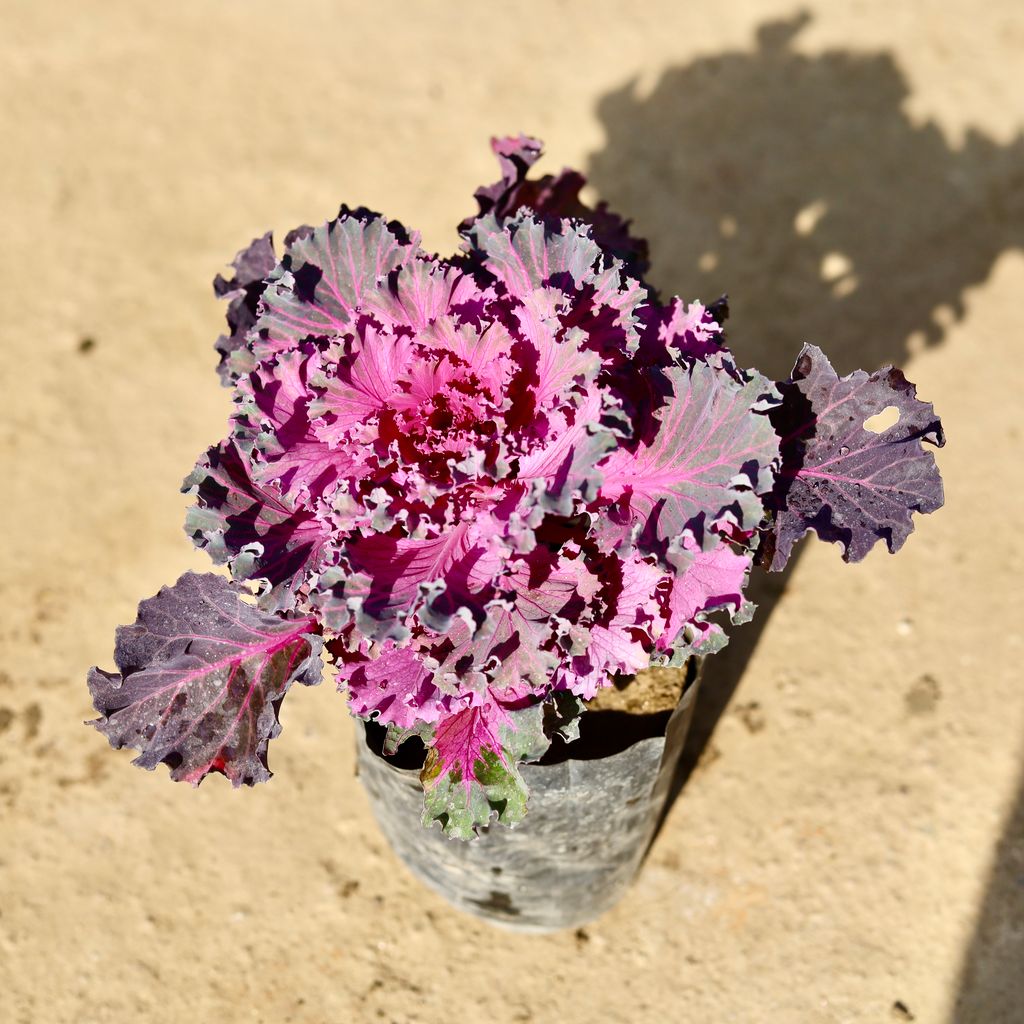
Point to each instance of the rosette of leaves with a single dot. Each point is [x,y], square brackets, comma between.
[490,483]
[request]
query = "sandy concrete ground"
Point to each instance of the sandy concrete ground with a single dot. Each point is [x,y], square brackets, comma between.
[850,846]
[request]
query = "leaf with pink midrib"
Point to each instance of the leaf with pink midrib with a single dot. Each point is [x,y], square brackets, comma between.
[202,673]
[273,422]
[471,774]
[359,383]
[386,577]
[516,647]
[711,458]
[421,292]
[565,469]
[325,276]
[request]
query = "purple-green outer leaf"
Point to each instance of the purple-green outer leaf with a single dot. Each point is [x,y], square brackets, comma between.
[202,674]
[471,773]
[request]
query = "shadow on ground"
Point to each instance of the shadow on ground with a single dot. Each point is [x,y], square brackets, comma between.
[989,990]
[799,185]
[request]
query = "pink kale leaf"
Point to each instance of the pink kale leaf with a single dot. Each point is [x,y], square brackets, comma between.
[703,582]
[703,465]
[396,689]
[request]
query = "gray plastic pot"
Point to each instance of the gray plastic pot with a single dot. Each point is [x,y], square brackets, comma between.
[593,808]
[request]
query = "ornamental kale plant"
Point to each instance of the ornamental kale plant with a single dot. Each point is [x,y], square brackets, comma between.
[488,485]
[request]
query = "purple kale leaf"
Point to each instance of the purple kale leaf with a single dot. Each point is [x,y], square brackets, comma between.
[254,527]
[243,292]
[848,483]
[202,674]
[553,196]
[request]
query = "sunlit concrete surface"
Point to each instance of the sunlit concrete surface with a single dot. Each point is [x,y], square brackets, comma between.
[849,846]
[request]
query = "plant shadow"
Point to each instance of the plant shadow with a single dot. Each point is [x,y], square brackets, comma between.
[799,185]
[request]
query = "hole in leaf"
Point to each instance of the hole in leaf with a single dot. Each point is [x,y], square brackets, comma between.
[882,421]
